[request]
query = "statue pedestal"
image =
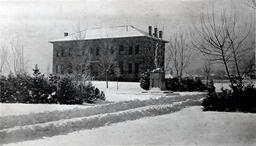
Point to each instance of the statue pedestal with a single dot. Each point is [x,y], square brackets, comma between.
[157,85]
[157,80]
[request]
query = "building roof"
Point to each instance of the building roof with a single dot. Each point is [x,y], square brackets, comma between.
[105,33]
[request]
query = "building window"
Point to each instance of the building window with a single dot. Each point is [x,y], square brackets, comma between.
[70,52]
[121,67]
[57,53]
[130,50]
[70,68]
[78,68]
[130,68]
[83,52]
[57,68]
[62,69]
[112,50]
[62,53]
[97,51]
[91,51]
[83,68]
[121,50]
[137,49]
[112,71]
[93,69]
[136,68]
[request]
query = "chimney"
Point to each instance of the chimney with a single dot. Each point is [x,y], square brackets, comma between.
[65,34]
[160,34]
[155,33]
[150,30]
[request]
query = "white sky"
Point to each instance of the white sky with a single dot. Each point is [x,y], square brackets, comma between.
[35,22]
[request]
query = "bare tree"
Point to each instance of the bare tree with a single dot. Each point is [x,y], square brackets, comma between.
[251,3]
[76,68]
[207,69]
[80,50]
[179,54]
[249,68]
[254,3]
[48,69]
[221,40]
[107,63]
[148,53]
[237,39]
[3,58]
[17,61]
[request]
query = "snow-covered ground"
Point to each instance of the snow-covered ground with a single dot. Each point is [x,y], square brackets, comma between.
[190,126]
[126,91]
[226,85]
[123,91]
[218,86]
[132,90]
[7,109]
[58,127]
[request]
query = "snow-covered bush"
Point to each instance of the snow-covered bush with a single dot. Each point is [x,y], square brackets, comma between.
[70,92]
[90,94]
[39,89]
[15,88]
[42,90]
[235,99]
[145,81]
[66,92]
[185,84]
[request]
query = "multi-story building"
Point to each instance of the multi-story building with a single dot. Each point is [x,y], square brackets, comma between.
[124,51]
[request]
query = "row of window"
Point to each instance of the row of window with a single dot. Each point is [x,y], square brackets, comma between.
[136,50]
[62,53]
[130,51]
[132,68]
[60,68]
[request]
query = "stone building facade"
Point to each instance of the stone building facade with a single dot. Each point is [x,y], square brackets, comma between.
[125,50]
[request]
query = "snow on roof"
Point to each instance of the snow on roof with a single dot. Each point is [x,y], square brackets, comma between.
[104,33]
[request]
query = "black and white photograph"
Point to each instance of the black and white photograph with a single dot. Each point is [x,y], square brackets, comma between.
[127,72]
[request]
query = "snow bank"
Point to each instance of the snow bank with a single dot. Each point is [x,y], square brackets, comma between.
[64,126]
[21,120]
[12,109]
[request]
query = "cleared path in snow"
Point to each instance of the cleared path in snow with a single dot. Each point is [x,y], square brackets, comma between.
[21,120]
[190,126]
[127,111]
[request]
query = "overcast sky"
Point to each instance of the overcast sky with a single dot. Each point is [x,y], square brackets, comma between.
[35,22]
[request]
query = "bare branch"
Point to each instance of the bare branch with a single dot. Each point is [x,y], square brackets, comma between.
[179,54]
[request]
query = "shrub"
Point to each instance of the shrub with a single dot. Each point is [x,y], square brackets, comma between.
[90,94]
[39,89]
[66,92]
[145,81]
[186,84]
[15,88]
[42,91]
[235,99]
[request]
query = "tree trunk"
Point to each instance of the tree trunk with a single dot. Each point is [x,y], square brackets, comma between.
[106,79]
[237,69]
[226,67]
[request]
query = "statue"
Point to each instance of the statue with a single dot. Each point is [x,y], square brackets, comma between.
[157,75]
